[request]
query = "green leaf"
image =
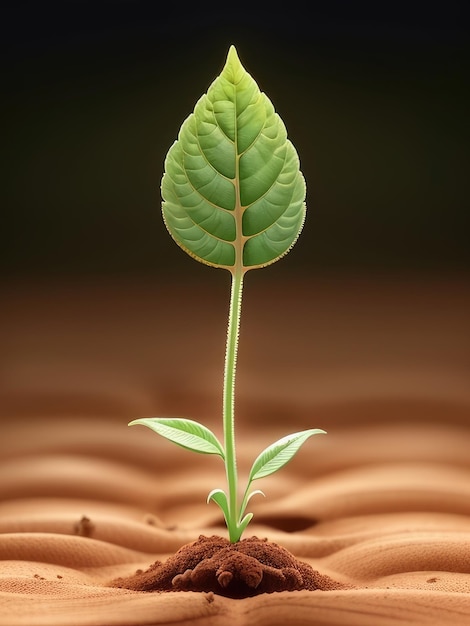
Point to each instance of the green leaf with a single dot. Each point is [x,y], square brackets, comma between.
[233,193]
[256,492]
[185,433]
[279,453]
[244,523]
[220,498]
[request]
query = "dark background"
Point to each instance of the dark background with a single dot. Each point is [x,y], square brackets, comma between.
[375,98]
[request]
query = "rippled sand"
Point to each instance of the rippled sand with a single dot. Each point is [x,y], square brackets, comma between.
[382,503]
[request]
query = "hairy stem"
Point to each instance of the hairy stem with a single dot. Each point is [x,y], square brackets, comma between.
[229,404]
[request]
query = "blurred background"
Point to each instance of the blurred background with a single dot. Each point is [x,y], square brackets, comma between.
[375,97]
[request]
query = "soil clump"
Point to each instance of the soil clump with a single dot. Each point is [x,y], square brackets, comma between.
[235,570]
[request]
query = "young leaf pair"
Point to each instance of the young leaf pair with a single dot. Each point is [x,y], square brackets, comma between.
[233,198]
[196,437]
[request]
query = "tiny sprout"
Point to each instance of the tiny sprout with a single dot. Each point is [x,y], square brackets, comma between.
[233,198]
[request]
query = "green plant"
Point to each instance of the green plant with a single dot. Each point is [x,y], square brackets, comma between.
[233,198]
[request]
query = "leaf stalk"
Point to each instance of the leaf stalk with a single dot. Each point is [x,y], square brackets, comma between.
[231,351]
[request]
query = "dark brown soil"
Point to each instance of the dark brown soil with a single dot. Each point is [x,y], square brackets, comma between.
[235,570]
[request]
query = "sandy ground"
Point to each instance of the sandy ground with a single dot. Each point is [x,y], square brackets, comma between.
[381,503]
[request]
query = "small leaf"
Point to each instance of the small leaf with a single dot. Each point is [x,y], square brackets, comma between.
[256,492]
[279,453]
[185,433]
[233,194]
[244,523]
[219,497]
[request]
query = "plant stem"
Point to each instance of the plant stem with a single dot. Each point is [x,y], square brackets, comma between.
[229,404]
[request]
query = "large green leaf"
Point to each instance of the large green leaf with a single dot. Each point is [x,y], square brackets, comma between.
[185,433]
[233,194]
[280,453]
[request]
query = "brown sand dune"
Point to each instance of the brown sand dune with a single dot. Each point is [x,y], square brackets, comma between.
[380,505]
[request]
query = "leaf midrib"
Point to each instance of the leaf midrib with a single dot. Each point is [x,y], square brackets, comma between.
[239,269]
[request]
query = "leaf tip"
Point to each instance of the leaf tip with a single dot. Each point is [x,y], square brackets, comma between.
[233,69]
[232,54]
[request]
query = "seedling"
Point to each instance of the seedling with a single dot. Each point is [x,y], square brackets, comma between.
[233,198]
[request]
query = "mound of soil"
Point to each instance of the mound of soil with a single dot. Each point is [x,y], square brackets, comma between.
[235,570]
